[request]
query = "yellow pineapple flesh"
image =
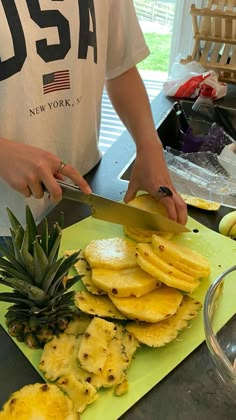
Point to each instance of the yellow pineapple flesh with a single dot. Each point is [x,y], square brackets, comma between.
[123,283]
[115,253]
[163,271]
[152,307]
[161,333]
[39,401]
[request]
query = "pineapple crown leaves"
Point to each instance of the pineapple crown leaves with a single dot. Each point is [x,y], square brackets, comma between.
[30,264]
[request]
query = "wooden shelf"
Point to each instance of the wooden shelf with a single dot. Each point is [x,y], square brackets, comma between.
[214,30]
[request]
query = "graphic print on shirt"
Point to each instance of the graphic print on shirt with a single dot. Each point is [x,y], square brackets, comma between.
[43,18]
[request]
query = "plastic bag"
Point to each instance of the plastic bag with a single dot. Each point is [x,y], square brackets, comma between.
[185,81]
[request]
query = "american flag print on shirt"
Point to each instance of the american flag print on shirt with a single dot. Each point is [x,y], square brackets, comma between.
[57,80]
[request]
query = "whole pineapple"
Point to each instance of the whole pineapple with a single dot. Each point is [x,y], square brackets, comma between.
[30,265]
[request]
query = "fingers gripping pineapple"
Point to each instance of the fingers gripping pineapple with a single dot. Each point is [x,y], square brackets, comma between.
[31,267]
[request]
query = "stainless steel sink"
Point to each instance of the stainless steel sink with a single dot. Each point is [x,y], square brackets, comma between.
[209,180]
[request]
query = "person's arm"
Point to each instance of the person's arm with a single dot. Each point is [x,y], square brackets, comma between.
[25,168]
[129,98]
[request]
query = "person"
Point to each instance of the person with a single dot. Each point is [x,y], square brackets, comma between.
[55,59]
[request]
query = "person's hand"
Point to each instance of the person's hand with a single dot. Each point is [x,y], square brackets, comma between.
[149,173]
[25,168]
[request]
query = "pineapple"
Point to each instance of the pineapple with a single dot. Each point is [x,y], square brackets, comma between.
[97,305]
[121,351]
[81,393]
[123,283]
[113,253]
[152,307]
[161,333]
[41,303]
[83,268]
[94,349]
[39,401]
[151,204]
[170,251]
[163,271]
[59,356]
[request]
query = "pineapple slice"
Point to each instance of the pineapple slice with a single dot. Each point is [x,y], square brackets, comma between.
[123,283]
[163,271]
[152,307]
[151,204]
[144,235]
[100,306]
[161,333]
[113,253]
[94,347]
[121,350]
[59,356]
[170,251]
[80,392]
[39,401]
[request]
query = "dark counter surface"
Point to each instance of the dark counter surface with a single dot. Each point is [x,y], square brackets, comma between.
[192,390]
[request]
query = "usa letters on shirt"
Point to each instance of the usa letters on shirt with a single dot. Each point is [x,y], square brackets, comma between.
[87,37]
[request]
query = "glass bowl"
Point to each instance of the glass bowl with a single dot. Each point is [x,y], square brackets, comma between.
[221,342]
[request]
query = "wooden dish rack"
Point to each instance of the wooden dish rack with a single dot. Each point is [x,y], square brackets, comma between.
[215,38]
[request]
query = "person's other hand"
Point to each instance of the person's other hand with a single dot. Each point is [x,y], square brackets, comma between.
[149,173]
[25,168]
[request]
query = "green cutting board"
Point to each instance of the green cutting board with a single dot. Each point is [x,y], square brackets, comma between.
[150,366]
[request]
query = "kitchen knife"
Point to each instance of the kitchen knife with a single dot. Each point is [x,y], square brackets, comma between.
[116,212]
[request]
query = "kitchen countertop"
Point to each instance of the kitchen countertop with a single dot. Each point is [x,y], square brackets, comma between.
[192,390]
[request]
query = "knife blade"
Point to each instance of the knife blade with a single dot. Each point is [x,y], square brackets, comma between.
[117,212]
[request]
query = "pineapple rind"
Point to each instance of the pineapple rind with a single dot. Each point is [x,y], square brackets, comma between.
[94,349]
[81,393]
[83,268]
[100,306]
[162,333]
[78,324]
[121,350]
[58,356]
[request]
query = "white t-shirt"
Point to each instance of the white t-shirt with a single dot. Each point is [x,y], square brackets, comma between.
[54,58]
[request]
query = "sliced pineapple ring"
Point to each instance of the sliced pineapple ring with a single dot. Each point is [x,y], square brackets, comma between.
[170,251]
[115,253]
[152,307]
[39,401]
[100,306]
[161,333]
[148,263]
[123,283]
